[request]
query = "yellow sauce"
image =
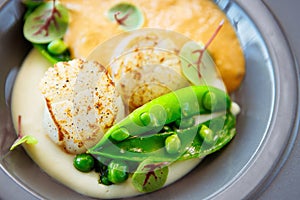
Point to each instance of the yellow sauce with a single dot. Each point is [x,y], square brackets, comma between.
[196,19]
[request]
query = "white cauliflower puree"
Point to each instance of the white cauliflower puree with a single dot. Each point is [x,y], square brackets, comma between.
[29,102]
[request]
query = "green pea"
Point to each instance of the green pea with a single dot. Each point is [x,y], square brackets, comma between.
[84,162]
[145,118]
[172,144]
[42,49]
[57,47]
[209,100]
[120,134]
[104,179]
[117,171]
[207,134]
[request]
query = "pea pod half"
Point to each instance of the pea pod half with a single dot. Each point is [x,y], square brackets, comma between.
[152,116]
[193,144]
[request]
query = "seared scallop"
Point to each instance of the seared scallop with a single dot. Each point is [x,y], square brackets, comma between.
[81,104]
[146,65]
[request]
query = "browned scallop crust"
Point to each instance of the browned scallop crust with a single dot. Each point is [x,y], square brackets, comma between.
[81,103]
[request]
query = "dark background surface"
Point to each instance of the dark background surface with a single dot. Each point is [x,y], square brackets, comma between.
[286,185]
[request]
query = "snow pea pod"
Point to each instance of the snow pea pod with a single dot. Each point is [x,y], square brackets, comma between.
[152,116]
[193,144]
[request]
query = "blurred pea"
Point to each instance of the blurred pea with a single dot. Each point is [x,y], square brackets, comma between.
[57,47]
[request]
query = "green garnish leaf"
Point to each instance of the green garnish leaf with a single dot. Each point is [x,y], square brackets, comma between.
[28,139]
[47,22]
[32,3]
[194,61]
[22,139]
[150,176]
[128,16]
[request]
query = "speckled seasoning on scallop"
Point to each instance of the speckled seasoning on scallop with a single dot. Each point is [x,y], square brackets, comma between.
[81,104]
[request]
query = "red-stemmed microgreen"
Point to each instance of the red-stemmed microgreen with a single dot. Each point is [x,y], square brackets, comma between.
[49,21]
[204,48]
[150,168]
[121,21]
[150,176]
[44,29]
[126,15]
[28,139]
[194,57]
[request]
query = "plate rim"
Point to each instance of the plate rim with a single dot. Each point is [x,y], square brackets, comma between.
[287,143]
[248,183]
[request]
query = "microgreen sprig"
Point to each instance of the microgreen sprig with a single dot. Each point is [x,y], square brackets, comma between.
[47,22]
[128,16]
[28,139]
[194,57]
[122,20]
[150,176]
[204,48]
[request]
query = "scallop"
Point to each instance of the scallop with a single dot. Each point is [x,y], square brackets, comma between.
[82,103]
[146,65]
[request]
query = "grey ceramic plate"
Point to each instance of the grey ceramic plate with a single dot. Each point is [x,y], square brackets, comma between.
[266,126]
